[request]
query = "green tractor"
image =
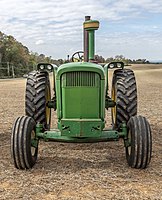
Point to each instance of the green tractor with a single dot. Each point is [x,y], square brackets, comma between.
[81,99]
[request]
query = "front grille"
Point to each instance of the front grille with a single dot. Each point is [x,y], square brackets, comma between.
[80,79]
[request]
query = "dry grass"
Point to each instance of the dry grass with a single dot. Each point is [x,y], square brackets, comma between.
[83,171]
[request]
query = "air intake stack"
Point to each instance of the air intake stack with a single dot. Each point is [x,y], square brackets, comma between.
[89,38]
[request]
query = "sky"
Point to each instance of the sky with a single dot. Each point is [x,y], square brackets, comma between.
[132,28]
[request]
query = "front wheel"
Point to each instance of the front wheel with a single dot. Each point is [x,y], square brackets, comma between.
[139,142]
[24,144]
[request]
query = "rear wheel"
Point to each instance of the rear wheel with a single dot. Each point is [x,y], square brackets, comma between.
[24,145]
[124,93]
[38,95]
[139,142]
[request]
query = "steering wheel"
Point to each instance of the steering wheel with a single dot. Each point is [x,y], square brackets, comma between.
[78,56]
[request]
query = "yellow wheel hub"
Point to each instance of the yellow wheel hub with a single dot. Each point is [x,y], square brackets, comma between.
[48,110]
[113,96]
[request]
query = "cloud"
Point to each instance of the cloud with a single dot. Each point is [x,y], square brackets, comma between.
[39,42]
[58,24]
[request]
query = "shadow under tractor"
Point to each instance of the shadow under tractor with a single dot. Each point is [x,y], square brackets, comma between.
[80,97]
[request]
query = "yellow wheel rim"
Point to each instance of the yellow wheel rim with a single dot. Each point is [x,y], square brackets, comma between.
[48,110]
[113,96]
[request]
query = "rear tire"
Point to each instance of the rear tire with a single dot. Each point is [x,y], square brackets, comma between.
[24,155]
[124,93]
[138,154]
[37,96]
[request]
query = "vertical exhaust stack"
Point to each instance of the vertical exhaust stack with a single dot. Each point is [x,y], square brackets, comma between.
[86,41]
[89,38]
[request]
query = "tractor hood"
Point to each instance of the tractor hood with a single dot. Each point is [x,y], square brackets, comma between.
[80,66]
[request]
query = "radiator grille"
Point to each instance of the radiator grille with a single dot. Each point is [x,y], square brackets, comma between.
[79,79]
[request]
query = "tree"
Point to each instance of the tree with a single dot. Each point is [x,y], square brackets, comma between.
[99,59]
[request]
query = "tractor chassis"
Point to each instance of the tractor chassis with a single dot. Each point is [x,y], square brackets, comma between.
[55,135]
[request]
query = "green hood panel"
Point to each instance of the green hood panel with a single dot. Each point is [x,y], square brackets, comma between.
[80,89]
[80,66]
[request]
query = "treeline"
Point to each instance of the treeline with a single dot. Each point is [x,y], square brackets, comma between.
[21,60]
[19,56]
[126,61]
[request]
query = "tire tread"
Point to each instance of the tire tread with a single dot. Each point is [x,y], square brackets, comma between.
[141,142]
[126,103]
[35,99]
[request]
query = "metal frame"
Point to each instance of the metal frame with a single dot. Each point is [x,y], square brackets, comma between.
[56,136]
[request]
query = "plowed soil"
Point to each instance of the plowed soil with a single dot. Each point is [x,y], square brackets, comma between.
[83,171]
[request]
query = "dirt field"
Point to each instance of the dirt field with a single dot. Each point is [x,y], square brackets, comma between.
[83,171]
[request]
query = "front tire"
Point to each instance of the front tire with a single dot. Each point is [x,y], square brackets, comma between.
[139,148]
[23,153]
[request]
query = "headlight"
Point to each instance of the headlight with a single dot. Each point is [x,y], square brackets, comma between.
[111,66]
[41,67]
[49,67]
[114,64]
[45,66]
[119,65]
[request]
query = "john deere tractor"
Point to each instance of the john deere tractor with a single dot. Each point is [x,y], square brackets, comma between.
[81,98]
